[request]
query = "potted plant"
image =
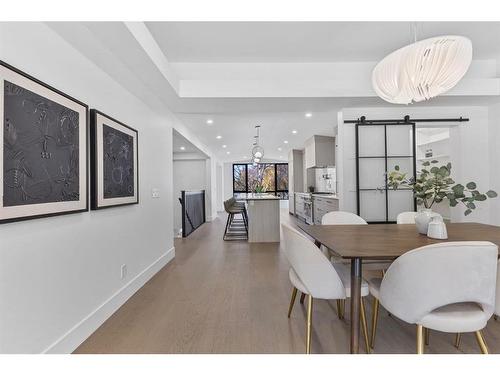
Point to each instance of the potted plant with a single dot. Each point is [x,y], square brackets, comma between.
[434,185]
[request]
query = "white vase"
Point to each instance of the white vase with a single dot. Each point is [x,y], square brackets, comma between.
[423,218]
[437,228]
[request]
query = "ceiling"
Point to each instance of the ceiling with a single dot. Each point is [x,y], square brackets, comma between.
[308,41]
[182,146]
[271,54]
[237,131]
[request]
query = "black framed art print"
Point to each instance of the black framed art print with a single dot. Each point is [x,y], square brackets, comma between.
[43,159]
[114,161]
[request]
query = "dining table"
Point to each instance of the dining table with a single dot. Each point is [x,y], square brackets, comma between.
[361,243]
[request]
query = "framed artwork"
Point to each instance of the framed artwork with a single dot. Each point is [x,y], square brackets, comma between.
[43,156]
[114,160]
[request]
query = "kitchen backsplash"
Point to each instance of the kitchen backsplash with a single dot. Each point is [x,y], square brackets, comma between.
[326,179]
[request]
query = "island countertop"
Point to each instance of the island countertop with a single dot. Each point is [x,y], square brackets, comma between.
[256,196]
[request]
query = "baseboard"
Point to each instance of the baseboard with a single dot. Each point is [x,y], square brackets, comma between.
[68,342]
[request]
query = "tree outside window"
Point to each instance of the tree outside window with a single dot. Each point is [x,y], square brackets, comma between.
[265,177]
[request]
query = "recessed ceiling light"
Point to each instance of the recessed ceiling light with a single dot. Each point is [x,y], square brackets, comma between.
[227,152]
[224,146]
[309,114]
[281,156]
[279,148]
[294,131]
[182,148]
[285,142]
[210,122]
[219,137]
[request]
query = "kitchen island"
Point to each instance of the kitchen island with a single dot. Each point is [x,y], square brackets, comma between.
[263,216]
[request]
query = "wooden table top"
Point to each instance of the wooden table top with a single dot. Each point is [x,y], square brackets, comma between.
[389,241]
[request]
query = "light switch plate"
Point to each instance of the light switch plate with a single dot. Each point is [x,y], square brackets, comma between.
[155,193]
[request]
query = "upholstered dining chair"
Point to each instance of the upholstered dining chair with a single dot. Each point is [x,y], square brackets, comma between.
[346,218]
[447,287]
[312,274]
[497,298]
[407,217]
[497,306]
[342,218]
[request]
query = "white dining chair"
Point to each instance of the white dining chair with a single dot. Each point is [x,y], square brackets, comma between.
[407,217]
[342,218]
[348,218]
[447,287]
[497,298]
[339,218]
[312,274]
[496,313]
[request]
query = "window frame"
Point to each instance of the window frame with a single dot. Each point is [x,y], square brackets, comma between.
[275,191]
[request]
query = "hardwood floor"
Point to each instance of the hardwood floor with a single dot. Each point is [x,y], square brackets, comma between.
[232,297]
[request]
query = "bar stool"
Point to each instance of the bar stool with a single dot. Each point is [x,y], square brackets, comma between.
[233,210]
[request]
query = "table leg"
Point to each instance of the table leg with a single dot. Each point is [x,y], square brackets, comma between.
[355,303]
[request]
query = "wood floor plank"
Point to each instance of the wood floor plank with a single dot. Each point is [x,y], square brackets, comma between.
[232,297]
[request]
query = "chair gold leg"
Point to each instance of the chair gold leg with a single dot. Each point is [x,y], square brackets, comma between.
[427,334]
[339,309]
[458,336]
[292,301]
[309,323]
[420,339]
[375,309]
[302,298]
[364,325]
[481,342]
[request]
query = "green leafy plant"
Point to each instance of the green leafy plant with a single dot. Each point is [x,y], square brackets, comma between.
[434,185]
[259,189]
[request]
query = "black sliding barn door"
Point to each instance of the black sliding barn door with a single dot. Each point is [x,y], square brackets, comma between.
[379,148]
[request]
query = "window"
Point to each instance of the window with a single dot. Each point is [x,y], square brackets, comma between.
[266,177]
[239,178]
[282,177]
[261,177]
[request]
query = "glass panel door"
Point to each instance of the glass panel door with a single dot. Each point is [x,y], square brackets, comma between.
[379,148]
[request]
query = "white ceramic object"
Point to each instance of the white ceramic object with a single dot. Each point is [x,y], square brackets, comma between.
[422,70]
[437,228]
[423,218]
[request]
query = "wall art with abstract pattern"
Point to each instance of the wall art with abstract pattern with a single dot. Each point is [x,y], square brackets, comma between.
[43,156]
[114,160]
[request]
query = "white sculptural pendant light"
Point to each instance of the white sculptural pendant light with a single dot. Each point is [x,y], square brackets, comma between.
[422,70]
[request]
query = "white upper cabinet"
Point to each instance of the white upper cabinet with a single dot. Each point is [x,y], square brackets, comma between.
[320,151]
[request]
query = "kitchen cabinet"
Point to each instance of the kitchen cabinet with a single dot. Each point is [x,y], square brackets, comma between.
[299,205]
[323,205]
[295,177]
[319,152]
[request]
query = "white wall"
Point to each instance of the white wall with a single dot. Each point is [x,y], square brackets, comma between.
[228,180]
[188,175]
[60,276]
[211,172]
[494,167]
[220,187]
[470,151]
